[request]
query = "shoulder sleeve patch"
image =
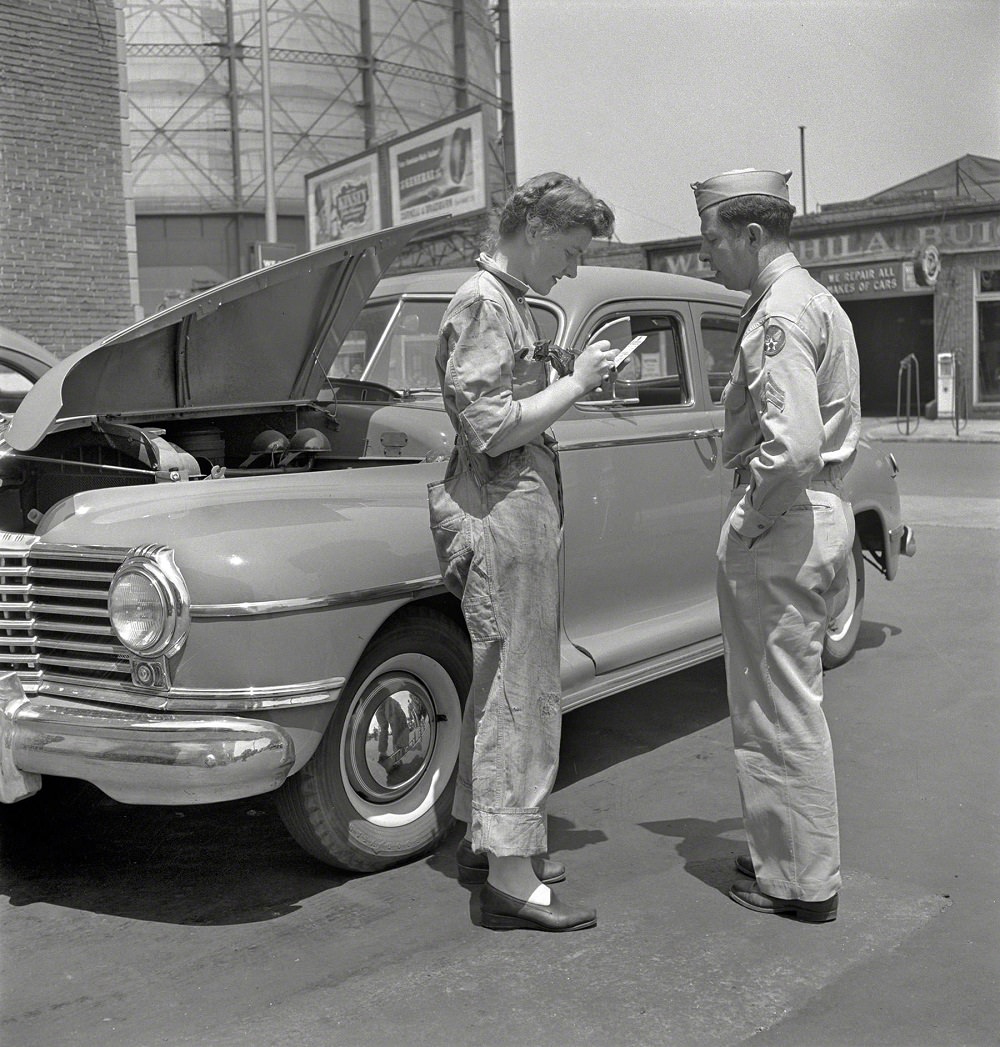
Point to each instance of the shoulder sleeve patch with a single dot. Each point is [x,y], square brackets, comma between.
[774,340]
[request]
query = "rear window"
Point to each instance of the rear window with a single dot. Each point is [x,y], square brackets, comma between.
[718,339]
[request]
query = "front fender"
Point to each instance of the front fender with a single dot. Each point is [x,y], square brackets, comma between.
[289,577]
[871,488]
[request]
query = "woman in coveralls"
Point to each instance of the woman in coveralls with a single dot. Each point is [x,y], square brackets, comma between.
[497,525]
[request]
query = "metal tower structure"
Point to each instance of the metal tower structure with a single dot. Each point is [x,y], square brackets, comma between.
[343,76]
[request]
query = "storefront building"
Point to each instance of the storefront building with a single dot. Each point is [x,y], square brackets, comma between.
[917,268]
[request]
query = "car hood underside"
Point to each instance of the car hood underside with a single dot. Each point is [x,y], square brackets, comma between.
[265,337]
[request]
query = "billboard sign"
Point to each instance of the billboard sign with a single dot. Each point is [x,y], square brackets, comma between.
[343,200]
[438,171]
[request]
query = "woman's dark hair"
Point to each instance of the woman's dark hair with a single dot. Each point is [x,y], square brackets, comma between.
[775,216]
[559,203]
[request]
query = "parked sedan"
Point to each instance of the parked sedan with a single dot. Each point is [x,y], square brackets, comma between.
[22,363]
[218,578]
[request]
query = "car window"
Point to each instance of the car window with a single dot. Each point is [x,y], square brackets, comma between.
[13,387]
[657,372]
[718,339]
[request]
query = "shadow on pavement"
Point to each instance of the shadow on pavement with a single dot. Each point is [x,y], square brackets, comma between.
[213,864]
[708,848]
[234,862]
[874,634]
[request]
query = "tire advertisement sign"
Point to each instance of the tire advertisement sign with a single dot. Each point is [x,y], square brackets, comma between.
[439,171]
[343,201]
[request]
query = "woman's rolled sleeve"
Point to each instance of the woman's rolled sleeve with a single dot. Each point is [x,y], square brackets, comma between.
[480,368]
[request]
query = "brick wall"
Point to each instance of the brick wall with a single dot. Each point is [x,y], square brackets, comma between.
[68,270]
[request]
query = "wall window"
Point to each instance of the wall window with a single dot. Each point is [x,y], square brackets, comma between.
[987,387]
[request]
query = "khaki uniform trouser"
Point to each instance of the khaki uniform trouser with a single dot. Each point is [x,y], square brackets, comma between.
[774,601]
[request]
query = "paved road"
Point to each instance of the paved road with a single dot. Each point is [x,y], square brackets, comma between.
[144,927]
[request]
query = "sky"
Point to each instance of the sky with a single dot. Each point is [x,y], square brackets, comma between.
[639,98]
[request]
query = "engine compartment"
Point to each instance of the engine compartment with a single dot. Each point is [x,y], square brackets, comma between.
[335,431]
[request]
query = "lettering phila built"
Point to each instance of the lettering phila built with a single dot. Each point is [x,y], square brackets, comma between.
[917,268]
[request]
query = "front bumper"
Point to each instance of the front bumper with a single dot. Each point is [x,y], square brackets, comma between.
[136,756]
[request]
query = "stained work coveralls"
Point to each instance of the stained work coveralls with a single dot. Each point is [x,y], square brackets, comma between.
[792,424]
[497,526]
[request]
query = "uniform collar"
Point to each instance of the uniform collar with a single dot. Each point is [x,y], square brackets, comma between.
[766,277]
[486,263]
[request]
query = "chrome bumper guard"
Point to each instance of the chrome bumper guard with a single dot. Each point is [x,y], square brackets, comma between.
[136,756]
[903,541]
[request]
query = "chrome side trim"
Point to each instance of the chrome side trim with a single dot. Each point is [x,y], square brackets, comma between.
[353,598]
[191,699]
[628,441]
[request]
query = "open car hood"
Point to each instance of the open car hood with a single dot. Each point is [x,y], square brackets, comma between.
[266,337]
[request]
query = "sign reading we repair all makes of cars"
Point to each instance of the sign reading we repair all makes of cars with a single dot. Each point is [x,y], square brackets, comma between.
[873,281]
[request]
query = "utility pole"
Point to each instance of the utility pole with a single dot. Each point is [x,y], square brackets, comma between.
[233,53]
[270,206]
[506,95]
[802,151]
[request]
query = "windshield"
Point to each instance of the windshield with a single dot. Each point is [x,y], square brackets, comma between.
[394,343]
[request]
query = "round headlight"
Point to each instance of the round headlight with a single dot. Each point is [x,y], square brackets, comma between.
[138,611]
[148,604]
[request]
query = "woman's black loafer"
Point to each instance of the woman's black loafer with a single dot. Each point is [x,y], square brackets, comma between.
[502,912]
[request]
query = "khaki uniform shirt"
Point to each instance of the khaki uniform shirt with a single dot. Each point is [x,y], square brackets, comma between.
[792,404]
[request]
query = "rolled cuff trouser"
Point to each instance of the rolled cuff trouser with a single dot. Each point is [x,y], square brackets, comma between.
[500,554]
[774,594]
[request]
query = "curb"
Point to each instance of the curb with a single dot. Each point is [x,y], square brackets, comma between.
[978,430]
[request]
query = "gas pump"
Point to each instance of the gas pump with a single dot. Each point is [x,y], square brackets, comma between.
[946,385]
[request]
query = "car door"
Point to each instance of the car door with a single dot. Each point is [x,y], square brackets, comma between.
[642,498]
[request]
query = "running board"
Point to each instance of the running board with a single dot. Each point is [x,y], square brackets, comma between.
[644,672]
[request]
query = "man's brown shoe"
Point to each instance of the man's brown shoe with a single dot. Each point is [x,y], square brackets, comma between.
[748,894]
[503,912]
[474,868]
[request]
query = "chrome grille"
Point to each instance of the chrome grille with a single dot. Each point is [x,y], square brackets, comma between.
[69,594]
[54,601]
[17,634]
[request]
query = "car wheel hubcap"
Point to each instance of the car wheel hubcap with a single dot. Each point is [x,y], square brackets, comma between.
[391,737]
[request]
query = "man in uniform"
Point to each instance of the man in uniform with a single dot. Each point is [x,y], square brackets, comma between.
[792,424]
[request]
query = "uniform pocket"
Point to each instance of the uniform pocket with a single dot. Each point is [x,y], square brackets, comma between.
[450,530]
[817,508]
